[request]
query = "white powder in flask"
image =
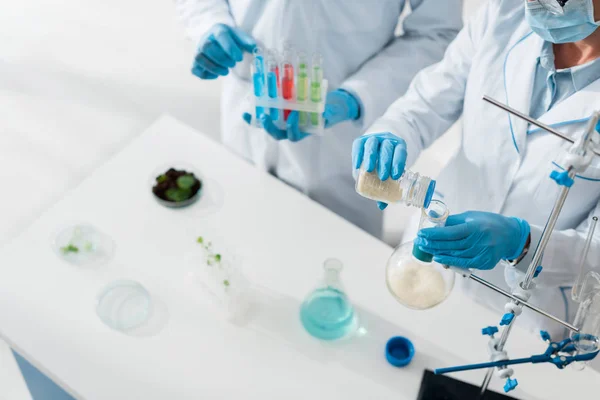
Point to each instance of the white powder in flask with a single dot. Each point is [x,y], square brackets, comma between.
[417,285]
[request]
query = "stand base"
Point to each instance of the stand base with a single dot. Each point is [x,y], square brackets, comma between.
[441,387]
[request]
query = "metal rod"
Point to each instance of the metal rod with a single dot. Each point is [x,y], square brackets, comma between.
[491,364]
[532,121]
[576,291]
[524,303]
[539,251]
[486,383]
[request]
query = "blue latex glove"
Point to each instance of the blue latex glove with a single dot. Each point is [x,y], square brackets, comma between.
[475,239]
[339,106]
[385,151]
[220,49]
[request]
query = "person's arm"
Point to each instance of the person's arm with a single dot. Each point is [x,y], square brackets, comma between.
[434,100]
[561,257]
[201,15]
[428,30]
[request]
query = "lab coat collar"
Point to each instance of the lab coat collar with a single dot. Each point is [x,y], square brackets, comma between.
[576,109]
[519,69]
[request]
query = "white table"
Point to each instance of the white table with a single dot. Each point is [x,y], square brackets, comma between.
[47,306]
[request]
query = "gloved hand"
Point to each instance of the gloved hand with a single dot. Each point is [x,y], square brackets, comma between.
[339,106]
[385,151]
[220,49]
[475,239]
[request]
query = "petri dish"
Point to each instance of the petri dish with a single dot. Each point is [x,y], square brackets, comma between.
[83,245]
[177,166]
[124,305]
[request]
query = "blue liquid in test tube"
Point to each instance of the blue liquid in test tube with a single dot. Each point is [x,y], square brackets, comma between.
[272,82]
[258,78]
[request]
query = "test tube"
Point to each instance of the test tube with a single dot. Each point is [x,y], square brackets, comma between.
[302,84]
[273,81]
[315,85]
[287,79]
[258,77]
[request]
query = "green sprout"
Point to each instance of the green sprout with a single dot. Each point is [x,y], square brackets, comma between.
[69,249]
[178,194]
[88,246]
[161,178]
[186,182]
[211,258]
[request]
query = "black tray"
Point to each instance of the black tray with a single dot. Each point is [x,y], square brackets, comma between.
[441,387]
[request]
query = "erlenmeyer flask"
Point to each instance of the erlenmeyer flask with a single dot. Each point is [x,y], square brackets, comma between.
[412,276]
[326,312]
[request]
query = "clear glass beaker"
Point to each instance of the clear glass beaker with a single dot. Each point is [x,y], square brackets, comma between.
[326,312]
[412,277]
[412,189]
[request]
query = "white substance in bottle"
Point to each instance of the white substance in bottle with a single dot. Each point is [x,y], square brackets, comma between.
[418,285]
[370,186]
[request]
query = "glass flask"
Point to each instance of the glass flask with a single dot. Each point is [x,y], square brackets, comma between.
[412,189]
[326,312]
[412,276]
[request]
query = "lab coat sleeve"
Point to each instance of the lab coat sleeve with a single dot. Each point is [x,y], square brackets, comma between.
[200,15]
[434,100]
[428,30]
[562,255]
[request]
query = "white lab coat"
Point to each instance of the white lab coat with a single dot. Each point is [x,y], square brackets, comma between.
[361,55]
[499,167]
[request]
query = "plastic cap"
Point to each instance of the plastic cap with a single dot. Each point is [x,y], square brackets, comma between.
[429,195]
[507,319]
[399,351]
[421,255]
[598,127]
[490,330]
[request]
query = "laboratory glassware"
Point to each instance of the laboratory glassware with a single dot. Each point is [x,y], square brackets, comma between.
[83,245]
[214,267]
[315,85]
[258,77]
[302,85]
[289,83]
[412,277]
[326,313]
[412,189]
[287,78]
[273,81]
[124,305]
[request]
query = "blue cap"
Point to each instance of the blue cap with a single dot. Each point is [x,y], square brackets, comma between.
[598,127]
[429,194]
[399,351]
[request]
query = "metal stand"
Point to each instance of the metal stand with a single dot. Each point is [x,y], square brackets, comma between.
[579,157]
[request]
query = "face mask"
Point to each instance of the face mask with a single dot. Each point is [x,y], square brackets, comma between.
[575,24]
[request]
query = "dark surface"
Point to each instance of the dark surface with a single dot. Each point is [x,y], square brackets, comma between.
[442,387]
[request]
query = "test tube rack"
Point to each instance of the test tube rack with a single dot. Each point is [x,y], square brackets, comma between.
[270,98]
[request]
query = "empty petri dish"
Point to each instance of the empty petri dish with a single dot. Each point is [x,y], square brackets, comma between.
[83,245]
[124,305]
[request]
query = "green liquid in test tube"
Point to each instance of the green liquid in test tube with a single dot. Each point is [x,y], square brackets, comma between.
[302,85]
[315,85]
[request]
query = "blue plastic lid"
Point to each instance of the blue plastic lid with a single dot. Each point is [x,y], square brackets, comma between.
[399,351]
[429,194]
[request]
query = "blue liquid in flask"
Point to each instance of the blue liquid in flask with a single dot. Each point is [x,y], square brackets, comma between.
[327,313]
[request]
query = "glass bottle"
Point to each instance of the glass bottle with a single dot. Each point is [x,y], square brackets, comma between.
[412,276]
[412,189]
[326,312]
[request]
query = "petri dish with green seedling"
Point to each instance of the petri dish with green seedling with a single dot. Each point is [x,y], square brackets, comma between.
[83,245]
[177,185]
